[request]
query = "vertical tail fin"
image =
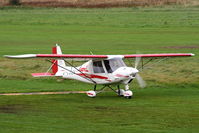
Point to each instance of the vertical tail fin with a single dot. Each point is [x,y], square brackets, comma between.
[55,66]
[58,65]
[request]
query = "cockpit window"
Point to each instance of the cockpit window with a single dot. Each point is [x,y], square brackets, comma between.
[98,67]
[113,64]
[108,67]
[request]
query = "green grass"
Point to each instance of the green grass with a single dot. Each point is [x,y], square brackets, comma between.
[169,104]
[169,110]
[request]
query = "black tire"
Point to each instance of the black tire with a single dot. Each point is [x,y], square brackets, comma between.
[129,97]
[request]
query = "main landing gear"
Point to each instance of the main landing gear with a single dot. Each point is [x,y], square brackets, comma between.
[120,92]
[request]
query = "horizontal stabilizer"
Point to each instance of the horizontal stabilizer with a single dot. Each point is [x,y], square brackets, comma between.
[42,74]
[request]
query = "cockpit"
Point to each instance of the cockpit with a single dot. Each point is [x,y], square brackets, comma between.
[107,66]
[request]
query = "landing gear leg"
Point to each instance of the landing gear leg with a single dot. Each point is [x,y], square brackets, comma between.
[95,87]
[120,92]
[118,88]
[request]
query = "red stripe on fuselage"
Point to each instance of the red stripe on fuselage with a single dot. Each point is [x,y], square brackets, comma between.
[120,75]
[92,76]
[83,69]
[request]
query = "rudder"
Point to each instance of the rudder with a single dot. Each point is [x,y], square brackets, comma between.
[58,65]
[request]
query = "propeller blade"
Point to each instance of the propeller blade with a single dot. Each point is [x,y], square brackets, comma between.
[141,82]
[137,61]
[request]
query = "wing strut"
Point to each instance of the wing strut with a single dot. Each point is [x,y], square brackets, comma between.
[50,67]
[87,78]
[143,64]
[80,71]
[153,63]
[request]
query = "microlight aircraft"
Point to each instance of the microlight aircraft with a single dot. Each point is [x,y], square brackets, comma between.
[106,70]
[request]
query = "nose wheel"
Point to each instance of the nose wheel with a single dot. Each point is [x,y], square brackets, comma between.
[128,94]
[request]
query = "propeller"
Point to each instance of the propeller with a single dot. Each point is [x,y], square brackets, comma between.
[140,80]
[137,61]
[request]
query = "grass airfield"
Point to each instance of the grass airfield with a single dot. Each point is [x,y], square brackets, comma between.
[169,104]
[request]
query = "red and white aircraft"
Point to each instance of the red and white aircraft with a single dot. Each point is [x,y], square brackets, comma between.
[106,70]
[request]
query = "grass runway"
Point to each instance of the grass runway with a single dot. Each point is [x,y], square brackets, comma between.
[42,93]
[169,104]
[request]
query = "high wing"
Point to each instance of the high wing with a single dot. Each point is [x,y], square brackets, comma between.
[93,57]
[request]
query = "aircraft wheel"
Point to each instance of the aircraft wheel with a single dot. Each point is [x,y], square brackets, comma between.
[128,94]
[91,94]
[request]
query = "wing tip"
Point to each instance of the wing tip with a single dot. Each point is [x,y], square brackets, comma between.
[192,54]
[21,56]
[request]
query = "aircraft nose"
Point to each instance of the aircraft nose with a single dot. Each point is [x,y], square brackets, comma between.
[129,71]
[134,70]
[125,72]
